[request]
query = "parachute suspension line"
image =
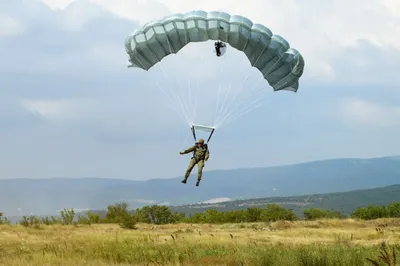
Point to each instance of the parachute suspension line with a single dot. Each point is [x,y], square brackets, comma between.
[184,101]
[259,101]
[240,89]
[185,108]
[217,110]
[234,98]
[243,112]
[232,115]
[184,118]
[177,97]
[197,92]
[223,103]
[232,112]
[183,144]
[216,107]
[173,105]
[190,98]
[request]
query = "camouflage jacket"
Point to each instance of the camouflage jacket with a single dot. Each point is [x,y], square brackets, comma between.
[200,153]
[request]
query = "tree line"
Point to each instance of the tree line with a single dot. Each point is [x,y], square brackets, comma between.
[158,214]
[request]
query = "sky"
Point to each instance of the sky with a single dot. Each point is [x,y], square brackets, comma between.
[70,106]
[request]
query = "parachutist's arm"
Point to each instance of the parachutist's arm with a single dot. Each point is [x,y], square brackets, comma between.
[207,155]
[191,149]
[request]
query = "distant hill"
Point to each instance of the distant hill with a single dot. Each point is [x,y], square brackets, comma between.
[345,202]
[47,196]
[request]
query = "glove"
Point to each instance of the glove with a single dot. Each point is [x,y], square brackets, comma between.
[181,152]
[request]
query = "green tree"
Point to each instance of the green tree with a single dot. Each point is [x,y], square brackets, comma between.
[274,212]
[370,212]
[394,210]
[116,213]
[158,214]
[253,214]
[235,216]
[316,213]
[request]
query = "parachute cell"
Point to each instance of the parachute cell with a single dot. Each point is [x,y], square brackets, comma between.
[271,54]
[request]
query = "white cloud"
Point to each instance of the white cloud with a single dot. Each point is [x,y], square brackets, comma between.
[58,4]
[78,13]
[369,113]
[10,26]
[103,119]
[58,109]
[138,10]
[319,30]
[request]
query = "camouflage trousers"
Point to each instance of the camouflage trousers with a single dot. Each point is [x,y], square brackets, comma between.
[192,163]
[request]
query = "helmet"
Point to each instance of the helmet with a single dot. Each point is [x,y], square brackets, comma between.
[201,141]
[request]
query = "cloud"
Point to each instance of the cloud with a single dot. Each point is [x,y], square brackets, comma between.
[10,26]
[321,31]
[70,106]
[369,113]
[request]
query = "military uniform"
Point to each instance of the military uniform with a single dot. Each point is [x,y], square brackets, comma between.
[199,155]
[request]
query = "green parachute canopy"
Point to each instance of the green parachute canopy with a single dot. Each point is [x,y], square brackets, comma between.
[271,54]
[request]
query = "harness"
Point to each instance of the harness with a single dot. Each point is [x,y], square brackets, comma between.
[205,146]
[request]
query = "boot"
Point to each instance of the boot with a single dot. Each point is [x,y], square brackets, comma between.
[184,180]
[198,182]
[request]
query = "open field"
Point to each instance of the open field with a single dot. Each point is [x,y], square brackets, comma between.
[324,242]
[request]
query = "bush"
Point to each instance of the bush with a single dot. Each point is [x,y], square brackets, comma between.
[31,221]
[274,212]
[394,210]
[370,212]
[67,216]
[129,222]
[116,213]
[156,214]
[91,218]
[316,213]
[253,214]
[49,221]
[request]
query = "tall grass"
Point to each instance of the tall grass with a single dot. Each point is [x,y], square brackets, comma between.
[329,242]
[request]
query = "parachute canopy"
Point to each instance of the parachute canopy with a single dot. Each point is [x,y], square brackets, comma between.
[271,54]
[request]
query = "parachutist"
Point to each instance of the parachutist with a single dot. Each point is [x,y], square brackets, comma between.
[218,46]
[200,155]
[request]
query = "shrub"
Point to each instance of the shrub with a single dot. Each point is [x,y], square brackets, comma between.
[274,212]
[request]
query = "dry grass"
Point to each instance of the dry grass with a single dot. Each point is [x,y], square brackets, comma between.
[324,242]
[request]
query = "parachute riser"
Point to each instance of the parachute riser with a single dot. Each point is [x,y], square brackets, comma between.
[204,128]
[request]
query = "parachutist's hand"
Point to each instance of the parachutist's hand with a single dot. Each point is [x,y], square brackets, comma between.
[181,152]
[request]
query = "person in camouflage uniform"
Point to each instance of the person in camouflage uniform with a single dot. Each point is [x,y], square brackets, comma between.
[200,154]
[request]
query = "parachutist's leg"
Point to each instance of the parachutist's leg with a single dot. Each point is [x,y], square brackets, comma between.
[200,166]
[192,163]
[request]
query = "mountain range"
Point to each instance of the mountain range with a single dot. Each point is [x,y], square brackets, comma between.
[47,196]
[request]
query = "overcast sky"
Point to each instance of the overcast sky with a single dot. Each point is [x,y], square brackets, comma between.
[70,107]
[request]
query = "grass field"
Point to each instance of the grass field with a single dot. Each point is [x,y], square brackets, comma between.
[324,242]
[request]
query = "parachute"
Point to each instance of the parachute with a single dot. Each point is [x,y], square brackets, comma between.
[279,64]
